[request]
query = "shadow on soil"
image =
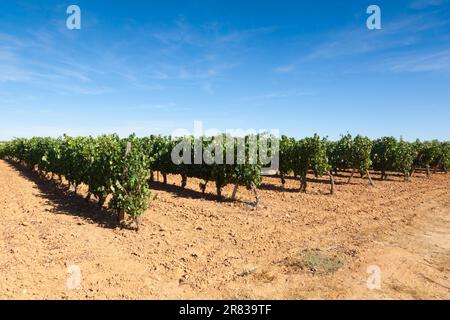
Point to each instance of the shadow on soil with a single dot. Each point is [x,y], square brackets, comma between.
[193,194]
[183,192]
[67,202]
[280,188]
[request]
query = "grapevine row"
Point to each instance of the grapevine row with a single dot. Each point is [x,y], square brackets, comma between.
[108,165]
[246,173]
[122,168]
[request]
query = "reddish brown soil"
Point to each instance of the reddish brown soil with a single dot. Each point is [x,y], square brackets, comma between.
[191,246]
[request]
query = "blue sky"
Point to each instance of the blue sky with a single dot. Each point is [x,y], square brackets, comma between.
[154,66]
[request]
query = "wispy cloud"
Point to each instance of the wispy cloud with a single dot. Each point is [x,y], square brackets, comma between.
[211,36]
[183,52]
[396,36]
[213,50]
[195,71]
[403,32]
[286,68]
[16,74]
[279,95]
[421,4]
[438,61]
[167,106]
[17,65]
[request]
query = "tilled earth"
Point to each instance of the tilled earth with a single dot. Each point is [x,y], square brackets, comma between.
[190,246]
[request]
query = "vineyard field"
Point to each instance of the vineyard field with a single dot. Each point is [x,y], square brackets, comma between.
[190,233]
[122,168]
[191,246]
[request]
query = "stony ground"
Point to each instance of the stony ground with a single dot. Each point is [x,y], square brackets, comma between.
[295,246]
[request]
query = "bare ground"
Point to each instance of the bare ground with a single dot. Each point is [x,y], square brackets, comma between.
[191,246]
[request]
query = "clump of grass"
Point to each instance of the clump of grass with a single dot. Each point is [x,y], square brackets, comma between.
[316,261]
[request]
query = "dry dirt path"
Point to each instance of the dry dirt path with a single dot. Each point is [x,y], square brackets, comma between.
[414,262]
[192,246]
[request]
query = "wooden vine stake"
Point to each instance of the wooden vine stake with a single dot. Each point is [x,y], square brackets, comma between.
[255,191]
[331,182]
[203,186]
[370,179]
[351,176]
[121,213]
[367,174]
[235,189]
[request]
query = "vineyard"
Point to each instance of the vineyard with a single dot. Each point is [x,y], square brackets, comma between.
[120,169]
